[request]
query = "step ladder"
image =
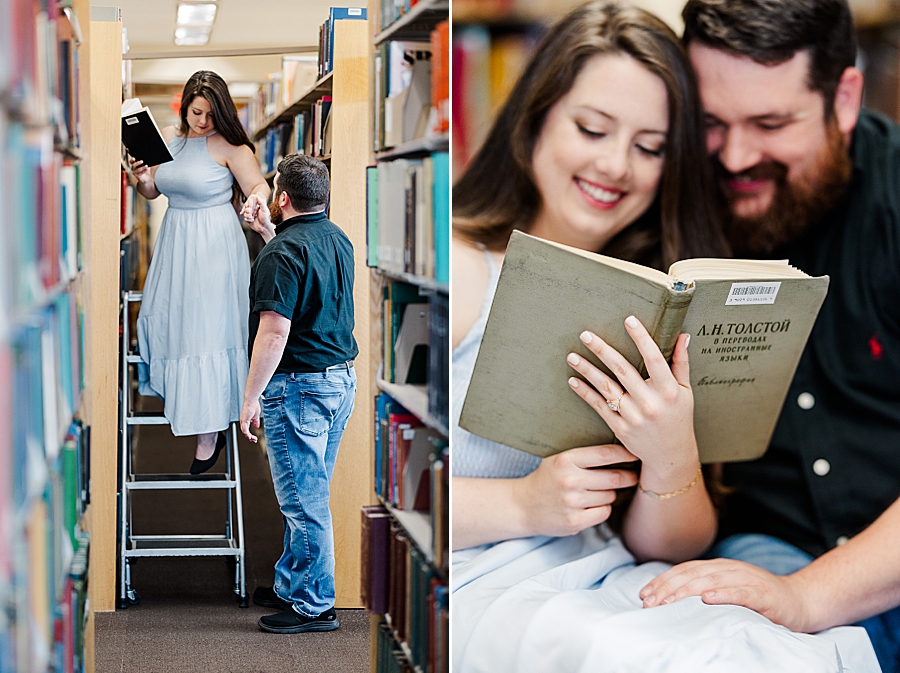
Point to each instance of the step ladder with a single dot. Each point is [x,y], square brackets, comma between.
[229,545]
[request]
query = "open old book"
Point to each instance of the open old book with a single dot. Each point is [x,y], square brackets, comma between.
[748,320]
[141,135]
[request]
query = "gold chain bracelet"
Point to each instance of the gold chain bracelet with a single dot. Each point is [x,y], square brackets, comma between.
[672,494]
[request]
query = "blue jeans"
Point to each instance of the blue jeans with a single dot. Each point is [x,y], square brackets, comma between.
[782,558]
[304,417]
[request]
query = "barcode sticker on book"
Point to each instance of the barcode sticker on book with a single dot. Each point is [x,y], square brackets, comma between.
[131,121]
[752,293]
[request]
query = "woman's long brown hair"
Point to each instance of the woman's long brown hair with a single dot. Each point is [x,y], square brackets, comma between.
[497,192]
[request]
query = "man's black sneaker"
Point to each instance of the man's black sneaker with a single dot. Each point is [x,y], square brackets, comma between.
[266,597]
[290,621]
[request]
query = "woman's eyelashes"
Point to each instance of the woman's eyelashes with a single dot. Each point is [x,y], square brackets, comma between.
[650,151]
[589,132]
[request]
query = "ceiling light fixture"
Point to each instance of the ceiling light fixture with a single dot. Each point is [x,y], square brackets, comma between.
[194,22]
[195,14]
[191,37]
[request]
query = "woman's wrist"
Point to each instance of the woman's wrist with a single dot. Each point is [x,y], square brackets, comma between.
[672,475]
[519,494]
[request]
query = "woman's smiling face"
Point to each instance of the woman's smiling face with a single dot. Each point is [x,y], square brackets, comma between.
[599,157]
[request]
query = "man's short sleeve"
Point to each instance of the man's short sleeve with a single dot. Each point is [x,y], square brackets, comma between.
[277,285]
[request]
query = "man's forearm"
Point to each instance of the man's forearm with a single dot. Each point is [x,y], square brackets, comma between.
[267,351]
[857,580]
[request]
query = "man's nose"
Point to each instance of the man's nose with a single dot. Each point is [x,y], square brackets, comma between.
[738,151]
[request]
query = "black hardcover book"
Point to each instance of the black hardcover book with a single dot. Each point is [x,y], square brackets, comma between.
[142,137]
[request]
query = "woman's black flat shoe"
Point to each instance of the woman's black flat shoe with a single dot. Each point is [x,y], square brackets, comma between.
[201,466]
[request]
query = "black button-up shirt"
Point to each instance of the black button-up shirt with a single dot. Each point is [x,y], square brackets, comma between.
[833,465]
[305,274]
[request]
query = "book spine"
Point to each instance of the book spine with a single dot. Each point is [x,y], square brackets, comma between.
[671,318]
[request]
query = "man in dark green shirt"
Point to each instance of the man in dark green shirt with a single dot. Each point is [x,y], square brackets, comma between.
[301,367]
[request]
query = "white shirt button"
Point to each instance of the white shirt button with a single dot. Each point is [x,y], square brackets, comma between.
[806,401]
[821,467]
[841,540]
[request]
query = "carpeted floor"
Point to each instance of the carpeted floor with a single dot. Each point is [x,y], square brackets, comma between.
[188,618]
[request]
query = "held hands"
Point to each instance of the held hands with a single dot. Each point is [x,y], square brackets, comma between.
[725,581]
[567,494]
[256,213]
[250,414]
[654,418]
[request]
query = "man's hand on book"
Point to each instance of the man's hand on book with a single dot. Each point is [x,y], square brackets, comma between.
[567,493]
[653,418]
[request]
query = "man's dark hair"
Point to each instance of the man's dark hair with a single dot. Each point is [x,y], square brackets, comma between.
[771,31]
[306,182]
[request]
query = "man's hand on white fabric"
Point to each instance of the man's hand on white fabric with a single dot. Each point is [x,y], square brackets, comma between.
[726,581]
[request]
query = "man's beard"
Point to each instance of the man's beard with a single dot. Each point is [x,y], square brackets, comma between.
[795,206]
[275,213]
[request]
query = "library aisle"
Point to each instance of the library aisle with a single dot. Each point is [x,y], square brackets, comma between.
[111,555]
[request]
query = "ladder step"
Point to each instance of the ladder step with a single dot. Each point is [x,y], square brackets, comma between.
[159,545]
[159,482]
[146,418]
[133,358]
[134,296]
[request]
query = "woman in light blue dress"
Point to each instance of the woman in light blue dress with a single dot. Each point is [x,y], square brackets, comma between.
[192,326]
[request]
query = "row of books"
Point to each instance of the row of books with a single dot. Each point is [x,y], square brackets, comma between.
[405,449]
[439,359]
[415,335]
[39,65]
[412,89]
[408,216]
[402,92]
[401,584]
[39,190]
[390,657]
[307,133]
[298,74]
[47,377]
[485,68]
[510,11]
[404,321]
[412,472]
[390,11]
[297,77]
[43,591]
[326,34]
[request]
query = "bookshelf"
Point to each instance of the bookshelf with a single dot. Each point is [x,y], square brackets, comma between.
[405,570]
[347,84]
[491,42]
[51,360]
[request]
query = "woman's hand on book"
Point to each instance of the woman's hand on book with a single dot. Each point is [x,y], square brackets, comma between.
[567,493]
[141,172]
[653,418]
